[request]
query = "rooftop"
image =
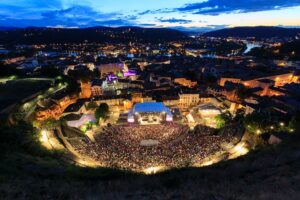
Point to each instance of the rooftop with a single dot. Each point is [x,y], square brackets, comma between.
[75,107]
[97,82]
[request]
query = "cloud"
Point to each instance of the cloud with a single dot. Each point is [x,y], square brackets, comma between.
[130,17]
[2,17]
[82,16]
[158,11]
[50,4]
[146,12]
[27,9]
[76,16]
[218,26]
[32,4]
[199,28]
[217,7]
[64,23]
[78,13]
[147,25]
[174,20]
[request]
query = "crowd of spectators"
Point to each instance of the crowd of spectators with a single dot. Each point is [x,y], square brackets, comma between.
[119,146]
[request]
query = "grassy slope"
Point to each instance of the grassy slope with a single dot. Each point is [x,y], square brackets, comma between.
[15,91]
[273,173]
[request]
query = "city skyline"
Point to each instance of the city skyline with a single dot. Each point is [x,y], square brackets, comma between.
[188,14]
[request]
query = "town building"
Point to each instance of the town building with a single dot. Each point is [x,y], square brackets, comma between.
[185,82]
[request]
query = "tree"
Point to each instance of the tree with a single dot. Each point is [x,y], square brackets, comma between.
[243,93]
[96,73]
[210,78]
[84,75]
[294,124]
[222,119]
[120,74]
[22,138]
[9,70]
[92,105]
[49,124]
[73,87]
[239,115]
[50,71]
[102,111]
[256,123]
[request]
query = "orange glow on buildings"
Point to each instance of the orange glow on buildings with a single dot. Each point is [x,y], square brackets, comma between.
[185,82]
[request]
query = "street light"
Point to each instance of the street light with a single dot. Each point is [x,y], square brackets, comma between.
[241,149]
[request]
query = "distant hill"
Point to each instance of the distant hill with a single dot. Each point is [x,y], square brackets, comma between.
[5,28]
[257,32]
[34,35]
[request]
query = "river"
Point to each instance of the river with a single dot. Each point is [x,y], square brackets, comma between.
[250,46]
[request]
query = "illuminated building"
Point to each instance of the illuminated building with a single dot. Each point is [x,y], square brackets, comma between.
[186,100]
[86,91]
[14,60]
[208,110]
[114,68]
[97,88]
[185,82]
[138,97]
[54,107]
[280,79]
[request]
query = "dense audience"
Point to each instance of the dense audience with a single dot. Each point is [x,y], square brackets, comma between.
[120,146]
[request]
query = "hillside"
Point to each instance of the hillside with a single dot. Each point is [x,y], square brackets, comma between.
[272,174]
[6,28]
[28,172]
[257,32]
[288,50]
[35,35]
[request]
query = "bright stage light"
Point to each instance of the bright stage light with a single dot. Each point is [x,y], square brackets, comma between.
[169,119]
[130,120]
[153,170]
[43,137]
[207,163]
[241,149]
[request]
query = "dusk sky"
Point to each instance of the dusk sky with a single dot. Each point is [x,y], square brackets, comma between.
[149,13]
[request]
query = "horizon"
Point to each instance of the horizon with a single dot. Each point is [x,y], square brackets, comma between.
[189,15]
[173,28]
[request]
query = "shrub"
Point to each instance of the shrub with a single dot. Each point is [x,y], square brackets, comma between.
[102,111]
[20,138]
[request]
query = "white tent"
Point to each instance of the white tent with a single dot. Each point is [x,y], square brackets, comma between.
[86,118]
